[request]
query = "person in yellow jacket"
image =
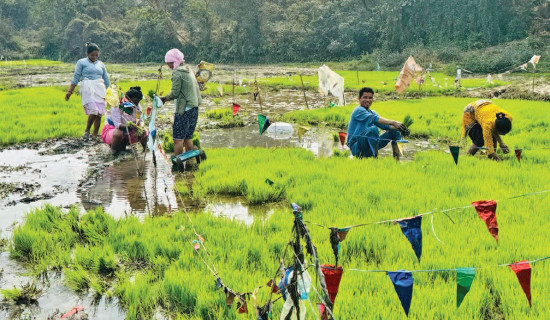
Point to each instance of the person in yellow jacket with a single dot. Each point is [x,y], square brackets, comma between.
[484,122]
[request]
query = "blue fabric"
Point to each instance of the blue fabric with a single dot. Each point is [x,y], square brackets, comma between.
[90,70]
[403,284]
[368,142]
[285,280]
[184,124]
[363,135]
[411,228]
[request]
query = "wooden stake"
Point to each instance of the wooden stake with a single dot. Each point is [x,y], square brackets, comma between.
[304,90]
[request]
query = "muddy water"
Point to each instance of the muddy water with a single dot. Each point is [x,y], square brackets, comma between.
[55,298]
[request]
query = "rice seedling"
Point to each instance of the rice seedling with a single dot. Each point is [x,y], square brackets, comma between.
[158,267]
[28,293]
[224,118]
[30,63]
[440,118]
[34,114]
[381,81]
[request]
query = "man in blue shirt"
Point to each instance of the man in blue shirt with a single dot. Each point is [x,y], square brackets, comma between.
[363,137]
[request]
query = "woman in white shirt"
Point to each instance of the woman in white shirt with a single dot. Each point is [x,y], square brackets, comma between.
[94,81]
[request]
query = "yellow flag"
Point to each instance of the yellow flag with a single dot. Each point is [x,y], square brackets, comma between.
[112,96]
[302,130]
[400,147]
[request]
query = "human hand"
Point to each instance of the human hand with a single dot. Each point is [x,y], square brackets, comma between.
[397,125]
[68,95]
[403,129]
[494,156]
[504,148]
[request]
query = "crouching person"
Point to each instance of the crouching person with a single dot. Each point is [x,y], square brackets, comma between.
[363,138]
[122,126]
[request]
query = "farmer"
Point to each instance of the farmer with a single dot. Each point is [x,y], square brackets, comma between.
[93,75]
[121,127]
[186,92]
[363,137]
[484,122]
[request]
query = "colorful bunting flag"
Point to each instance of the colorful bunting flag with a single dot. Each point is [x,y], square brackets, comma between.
[342,233]
[218,283]
[229,297]
[322,311]
[400,147]
[522,269]
[454,151]
[243,308]
[411,228]
[342,136]
[464,279]
[486,209]
[263,123]
[302,130]
[518,154]
[236,108]
[403,284]
[333,275]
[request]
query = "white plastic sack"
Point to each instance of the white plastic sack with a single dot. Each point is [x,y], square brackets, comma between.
[330,81]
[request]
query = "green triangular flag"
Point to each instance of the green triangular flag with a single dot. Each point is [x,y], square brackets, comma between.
[464,279]
[454,151]
[261,122]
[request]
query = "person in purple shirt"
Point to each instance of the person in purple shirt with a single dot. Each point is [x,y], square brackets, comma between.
[94,81]
[363,138]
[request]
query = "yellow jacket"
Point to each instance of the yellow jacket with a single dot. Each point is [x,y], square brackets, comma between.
[482,112]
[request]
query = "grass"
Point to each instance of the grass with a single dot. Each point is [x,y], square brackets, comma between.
[29,63]
[166,85]
[224,118]
[440,118]
[380,81]
[35,114]
[151,263]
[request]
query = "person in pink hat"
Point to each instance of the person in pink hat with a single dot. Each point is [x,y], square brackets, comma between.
[187,96]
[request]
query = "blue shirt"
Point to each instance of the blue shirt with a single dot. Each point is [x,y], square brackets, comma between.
[90,70]
[361,119]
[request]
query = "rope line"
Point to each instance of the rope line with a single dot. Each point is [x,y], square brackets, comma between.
[425,213]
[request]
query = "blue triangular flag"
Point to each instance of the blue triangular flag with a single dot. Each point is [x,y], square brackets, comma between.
[403,284]
[266,125]
[411,230]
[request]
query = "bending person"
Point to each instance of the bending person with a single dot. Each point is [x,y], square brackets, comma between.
[186,92]
[94,80]
[484,122]
[121,127]
[363,138]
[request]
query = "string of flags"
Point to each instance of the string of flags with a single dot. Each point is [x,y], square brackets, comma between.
[411,226]
[403,280]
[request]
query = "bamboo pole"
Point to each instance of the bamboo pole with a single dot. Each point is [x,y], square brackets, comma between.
[304,90]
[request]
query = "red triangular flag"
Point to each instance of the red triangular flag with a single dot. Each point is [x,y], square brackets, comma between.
[486,209]
[522,269]
[518,154]
[322,311]
[236,108]
[333,275]
[342,136]
[243,308]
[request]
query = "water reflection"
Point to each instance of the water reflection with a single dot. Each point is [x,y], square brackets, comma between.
[236,209]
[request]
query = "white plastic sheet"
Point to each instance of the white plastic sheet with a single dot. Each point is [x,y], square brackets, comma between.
[330,81]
